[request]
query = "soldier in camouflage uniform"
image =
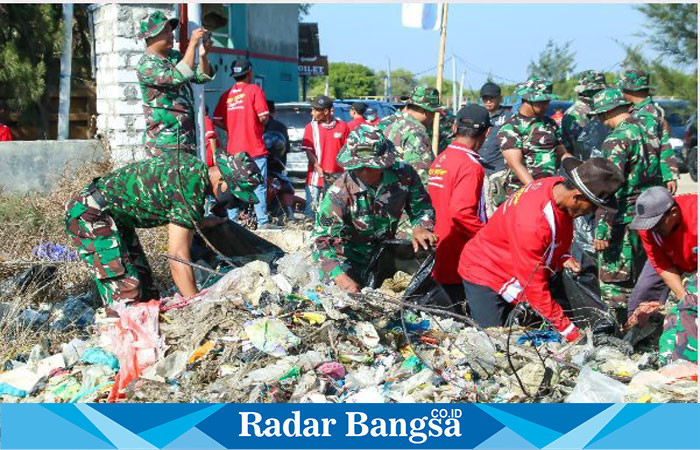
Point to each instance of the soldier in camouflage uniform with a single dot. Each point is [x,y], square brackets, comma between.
[620,252]
[164,75]
[446,133]
[530,141]
[576,117]
[408,131]
[103,217]
[363,207]
[635,87]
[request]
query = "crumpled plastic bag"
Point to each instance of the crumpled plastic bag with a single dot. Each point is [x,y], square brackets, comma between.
[54,252]
[135,341]
[248,282]
[594,387]
[271,336]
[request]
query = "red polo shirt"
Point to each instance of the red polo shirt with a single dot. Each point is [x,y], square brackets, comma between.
[209,134]
[676,249]
[356,123]
[241,108]
[5,134]
[455,183]
[325,145]
[514,254]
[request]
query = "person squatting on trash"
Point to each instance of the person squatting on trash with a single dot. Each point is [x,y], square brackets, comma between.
[323,138]
[620,253]
[635,86]
[576,118]
[531,141]
[668,228]
[165,75]
[103,217]
[242,112]
[528,238]
[490,152]
[408,130]
[455,186]
[363,207]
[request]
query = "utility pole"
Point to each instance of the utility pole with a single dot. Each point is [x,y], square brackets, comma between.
[441,63]
[461,88]
[454,85]
[325,92]
[194,17]
[388,81]
[64,84]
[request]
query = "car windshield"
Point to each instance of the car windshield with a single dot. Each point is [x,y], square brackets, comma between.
[342,112]
[294,117]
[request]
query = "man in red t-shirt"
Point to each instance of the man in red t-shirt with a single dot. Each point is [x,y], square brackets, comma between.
[668,227]
[455,183]
[5,134]
[211,141]
[528,238]
[242,111]
[323,138]
[357,112]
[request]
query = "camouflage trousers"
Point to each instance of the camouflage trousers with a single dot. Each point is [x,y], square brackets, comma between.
[619,265]
[494,188]
[680,337]
[114,254]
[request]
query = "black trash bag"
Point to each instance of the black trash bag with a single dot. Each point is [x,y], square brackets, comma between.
[579,296]
[393,255]
[33,280]
[424,290]
[233,241]
[589,142]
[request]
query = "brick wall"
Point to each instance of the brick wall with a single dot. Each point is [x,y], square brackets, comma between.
[117,50]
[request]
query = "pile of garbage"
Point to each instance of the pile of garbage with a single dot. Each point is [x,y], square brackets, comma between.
[272,332]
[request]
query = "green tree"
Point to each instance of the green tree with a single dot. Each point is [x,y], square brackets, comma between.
[31,37]
[674,30]
[402,82]
[346,80]
[555,63]
[304,10]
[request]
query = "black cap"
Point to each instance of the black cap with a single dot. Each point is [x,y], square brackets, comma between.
[359,108]
[597,178]
[473,116]
[241,67]
[490,89]
[321,102]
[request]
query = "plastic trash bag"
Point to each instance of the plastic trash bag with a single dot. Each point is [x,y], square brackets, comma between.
[423,289]
[54,252]
[594,387]
[233,241]
[393,255]
[135,341]
[590,140]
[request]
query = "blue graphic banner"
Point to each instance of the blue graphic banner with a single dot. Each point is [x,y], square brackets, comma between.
[345,426]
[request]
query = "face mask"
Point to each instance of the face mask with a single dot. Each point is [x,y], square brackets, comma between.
[226,199]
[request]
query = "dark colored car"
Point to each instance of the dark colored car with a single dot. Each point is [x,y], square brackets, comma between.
[690,146]
[677,113]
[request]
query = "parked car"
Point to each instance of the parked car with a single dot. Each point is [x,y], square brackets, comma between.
[690,146]
[296,115]
[677,114]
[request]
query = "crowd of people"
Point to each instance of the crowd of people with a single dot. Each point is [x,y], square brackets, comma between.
[499,203]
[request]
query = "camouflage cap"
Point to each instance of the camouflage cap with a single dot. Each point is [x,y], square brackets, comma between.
[241,174]
[590,82]
[425,97]
[634,80]
[535,89]
[154,23]
[606,100]
[366,146]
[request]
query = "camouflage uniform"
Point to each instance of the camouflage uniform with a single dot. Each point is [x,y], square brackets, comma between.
[628,147]
[168,101]
[411,139]
[103,217]
[576,117]
[537,137]
[353,219]
[651,117]
[679,339]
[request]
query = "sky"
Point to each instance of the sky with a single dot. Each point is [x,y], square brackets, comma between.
[497,38]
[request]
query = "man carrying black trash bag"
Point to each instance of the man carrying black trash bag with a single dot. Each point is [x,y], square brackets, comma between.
[512,258]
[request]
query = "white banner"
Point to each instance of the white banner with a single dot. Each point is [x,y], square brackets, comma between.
[421,15]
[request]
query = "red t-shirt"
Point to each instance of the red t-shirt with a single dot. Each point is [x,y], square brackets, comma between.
[209,133]
[455,183]
[676,249]
[241,108]
[514,254]
[331,138]
[5,134]
[354,123]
